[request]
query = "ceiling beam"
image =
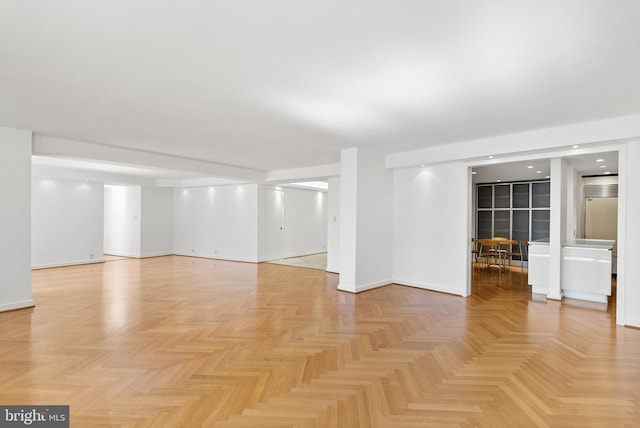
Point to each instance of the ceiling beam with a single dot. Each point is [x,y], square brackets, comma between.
[57,147]
[307,173]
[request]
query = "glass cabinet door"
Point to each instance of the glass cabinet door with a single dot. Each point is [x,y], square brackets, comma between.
[485,196]
[540,195]
[521,195]
[502,196]
[502,224]
[485,224]
[520,225]
[540,224]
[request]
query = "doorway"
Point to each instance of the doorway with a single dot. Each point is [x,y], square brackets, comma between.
[579,224]
[274,224]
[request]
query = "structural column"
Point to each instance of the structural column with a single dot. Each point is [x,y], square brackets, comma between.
[15,219]
[366,220]
[557,226]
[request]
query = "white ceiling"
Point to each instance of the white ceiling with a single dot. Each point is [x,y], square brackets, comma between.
[283,84]
[584,165]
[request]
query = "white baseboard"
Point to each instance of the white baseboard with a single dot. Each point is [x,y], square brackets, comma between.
[312,253]
[308,253]
[16,305]
[159,254]
[632,322]
[141,256]
[202,256]
[119,254]
[535,289]
[71,263]
[365,287]
[592,297]
[430,287]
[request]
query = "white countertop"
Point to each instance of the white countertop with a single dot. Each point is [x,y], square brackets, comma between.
[581,243]
[590,243]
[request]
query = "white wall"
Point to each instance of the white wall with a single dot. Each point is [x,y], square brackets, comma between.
[305,222]
[122,212]
[138,221]
[574,214]
[217,222]
[348,219]
[620,134]
[557,225]
[375,220]
[628,248]
[333,227]
[66,222]
[431,209]
[366,223]
[156,229]
[15,219]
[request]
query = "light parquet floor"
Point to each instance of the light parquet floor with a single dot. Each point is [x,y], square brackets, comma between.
[313,261]
[188,342]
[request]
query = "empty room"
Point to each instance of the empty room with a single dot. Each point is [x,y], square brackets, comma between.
[320,214]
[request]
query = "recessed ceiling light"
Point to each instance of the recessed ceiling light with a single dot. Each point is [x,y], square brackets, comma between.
[575,146]
[530,166]
[490,156]
[473,172]
[421,164]
[607,173]
[599,160]
[499,181]
[603,166]
[547,176]
[538,172]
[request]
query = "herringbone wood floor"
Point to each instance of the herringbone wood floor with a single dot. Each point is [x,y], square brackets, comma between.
[189,342]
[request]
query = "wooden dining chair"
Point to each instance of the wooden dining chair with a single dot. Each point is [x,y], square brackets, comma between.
[522,253]
[507,247]
[491,254]
[475,251]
